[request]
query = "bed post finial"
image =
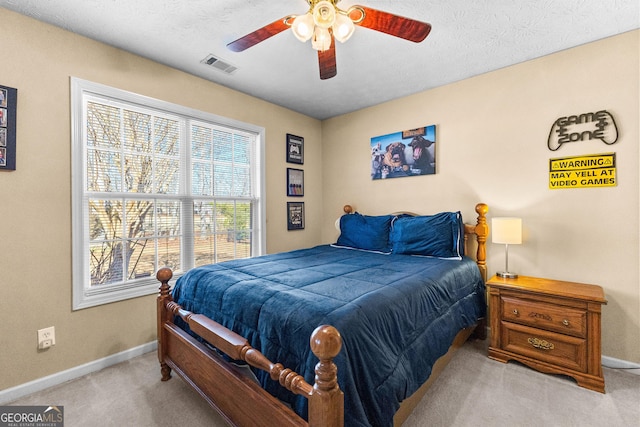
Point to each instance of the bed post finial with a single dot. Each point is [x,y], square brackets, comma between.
[326,403]
[164,275]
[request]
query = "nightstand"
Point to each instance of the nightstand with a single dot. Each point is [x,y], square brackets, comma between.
[549,325]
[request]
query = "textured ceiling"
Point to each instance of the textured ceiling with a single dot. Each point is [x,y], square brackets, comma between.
[468,38]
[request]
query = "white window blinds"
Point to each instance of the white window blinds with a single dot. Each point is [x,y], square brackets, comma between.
[161,185]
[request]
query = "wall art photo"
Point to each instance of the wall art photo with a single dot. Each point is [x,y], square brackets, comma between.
[295,149]
[8,100]
[405,153]
[295,182]
[295,215]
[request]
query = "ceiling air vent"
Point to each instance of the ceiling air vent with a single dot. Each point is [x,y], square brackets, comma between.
[219,64]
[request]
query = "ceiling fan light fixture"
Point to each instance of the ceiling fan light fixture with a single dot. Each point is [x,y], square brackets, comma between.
[321,39]
[343,28]
[324,14]
[325,21]
[302,27]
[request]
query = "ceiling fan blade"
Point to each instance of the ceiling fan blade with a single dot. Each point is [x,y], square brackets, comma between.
[259,35]
[327,61]
[405,28]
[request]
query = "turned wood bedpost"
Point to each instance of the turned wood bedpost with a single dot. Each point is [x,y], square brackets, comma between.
[482,232]
[326,403]
[163,275]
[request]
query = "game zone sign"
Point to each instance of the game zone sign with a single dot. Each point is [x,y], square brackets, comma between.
[584,127]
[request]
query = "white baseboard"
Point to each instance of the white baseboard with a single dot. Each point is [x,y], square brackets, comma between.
[31,387]
[613,363]
[26,389]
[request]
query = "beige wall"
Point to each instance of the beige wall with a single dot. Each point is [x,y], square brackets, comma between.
[35,200]
[492,135]
[492,132]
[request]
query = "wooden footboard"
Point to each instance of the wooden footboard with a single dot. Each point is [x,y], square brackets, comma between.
[238,398]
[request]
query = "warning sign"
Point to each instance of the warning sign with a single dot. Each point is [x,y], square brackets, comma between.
[596,170]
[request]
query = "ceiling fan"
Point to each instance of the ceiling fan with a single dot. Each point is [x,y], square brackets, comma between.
[325,22]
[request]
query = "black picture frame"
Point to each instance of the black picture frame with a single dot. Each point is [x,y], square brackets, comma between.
[8,103]
[295,149]
[295,215]
[295,182]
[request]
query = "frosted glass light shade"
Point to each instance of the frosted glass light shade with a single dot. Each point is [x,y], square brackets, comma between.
[302,27]
[324,14]
[343,28]
[506,230]
[321,39]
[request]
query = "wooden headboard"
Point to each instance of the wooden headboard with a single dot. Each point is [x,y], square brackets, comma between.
[477,245]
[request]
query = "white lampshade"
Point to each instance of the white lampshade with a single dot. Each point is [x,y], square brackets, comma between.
[302,27]
[506,231]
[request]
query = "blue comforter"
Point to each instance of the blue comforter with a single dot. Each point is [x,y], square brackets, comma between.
[396,314]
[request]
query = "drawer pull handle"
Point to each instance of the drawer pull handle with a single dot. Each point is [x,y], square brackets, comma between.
[541,344]
[565,322]
[516,312]
[541,316]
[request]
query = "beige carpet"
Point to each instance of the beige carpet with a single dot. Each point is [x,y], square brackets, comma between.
[472,391]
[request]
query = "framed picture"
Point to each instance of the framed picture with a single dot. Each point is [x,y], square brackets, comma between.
[295,182]
[405,153]
[295,215]
[8,100]
[295,149]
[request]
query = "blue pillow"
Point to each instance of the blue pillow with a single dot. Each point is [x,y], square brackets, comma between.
[370,233]
[439,235]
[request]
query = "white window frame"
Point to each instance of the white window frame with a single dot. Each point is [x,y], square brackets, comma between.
[84,295]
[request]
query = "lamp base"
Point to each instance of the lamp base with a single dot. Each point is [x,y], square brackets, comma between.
[506,275]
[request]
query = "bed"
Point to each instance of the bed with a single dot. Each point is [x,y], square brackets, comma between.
[344,334]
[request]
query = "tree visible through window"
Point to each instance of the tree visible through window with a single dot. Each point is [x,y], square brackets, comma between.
[159,188]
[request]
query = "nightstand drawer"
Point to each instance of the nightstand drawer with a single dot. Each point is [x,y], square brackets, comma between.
[557,349]
[564,320]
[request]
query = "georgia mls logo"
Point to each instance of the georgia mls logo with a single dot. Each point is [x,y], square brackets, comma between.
[599,125]
[31,416]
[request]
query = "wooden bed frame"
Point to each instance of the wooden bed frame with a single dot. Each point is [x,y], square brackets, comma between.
[239,399]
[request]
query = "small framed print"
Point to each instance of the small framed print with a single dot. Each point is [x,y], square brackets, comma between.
[8,100]
[295,182]
[295,149]
[295,215]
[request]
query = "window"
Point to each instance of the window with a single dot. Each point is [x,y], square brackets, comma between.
[157,184]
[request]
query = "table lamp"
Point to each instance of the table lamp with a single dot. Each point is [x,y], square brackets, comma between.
[507,231]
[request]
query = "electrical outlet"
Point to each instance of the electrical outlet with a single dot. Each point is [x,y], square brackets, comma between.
[46,337]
